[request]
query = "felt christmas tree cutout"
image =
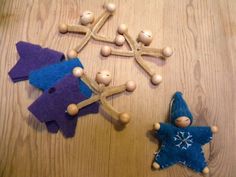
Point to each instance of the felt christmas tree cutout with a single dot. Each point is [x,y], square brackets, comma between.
[51,106]
[32,57]
[101,91]
[48,76]
[138,49]
[180,142]
[90,28]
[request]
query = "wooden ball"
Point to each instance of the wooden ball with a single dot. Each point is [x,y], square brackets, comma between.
[155,166]
[205,170]
[214,129]
[86,17]
[167,52]
[145,37]
[111,7]
[124,118]
[78,71]
[122,29]
[130,86]
[156,79]
[63,28]
[72,109]
[72,54]
[156,126]
[106,51]
[119,40]
[103,77]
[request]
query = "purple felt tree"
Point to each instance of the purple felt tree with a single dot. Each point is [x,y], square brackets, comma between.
[51,106]
[32,57]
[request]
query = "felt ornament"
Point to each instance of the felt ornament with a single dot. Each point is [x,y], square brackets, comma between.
[48,76]
[90,28]
[138,49]
[101,90]
[51,106]
[32,57]
[180,142]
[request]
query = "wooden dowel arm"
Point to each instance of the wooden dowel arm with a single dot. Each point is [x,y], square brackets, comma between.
[98,24]
[91,83]
[152,52]
[109,91]
[103,38]
[122,53]
[77,29]
[88,101]
[98,19]
[130,41]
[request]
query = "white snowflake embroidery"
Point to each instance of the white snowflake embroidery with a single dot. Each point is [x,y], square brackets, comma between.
[183,140]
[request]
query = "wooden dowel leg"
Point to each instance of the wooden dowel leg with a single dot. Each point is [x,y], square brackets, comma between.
[83,42]
[142,63]
[108,108]
[155,78]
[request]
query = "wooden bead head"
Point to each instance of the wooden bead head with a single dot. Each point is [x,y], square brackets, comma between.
[78,71]
[182,122]
[124,118]
[122,28]
[72,54]
[72,109]
[111,7]
[130,86]
[145,37]
[106,51]
[103,77]
[156,79]
[63,28]
[87,17]
[119,40]
[167,52]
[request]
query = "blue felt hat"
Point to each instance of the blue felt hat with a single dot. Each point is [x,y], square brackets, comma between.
[179,108]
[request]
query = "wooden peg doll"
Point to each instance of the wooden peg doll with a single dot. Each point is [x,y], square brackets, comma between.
[139,49]
[180,142]
[101,91]
[90,27]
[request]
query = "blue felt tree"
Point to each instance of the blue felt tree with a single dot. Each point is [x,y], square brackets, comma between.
[180,142]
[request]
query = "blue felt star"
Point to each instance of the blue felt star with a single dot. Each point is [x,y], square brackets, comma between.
[182,145]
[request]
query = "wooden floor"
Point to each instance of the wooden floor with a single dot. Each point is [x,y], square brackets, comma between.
[203,36]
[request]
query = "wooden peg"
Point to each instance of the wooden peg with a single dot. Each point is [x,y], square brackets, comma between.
[138,49]
[90,27]
[87,17]
[101,91]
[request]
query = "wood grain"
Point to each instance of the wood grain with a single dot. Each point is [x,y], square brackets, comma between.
[203,35]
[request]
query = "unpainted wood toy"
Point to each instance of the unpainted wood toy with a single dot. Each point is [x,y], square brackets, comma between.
[101,91]
[138,50]
[90,27]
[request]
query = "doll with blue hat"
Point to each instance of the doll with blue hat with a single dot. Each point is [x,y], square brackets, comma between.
[180,142]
